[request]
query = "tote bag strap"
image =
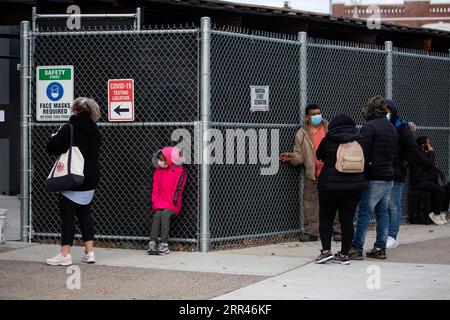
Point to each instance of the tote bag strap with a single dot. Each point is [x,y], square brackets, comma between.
[69,158]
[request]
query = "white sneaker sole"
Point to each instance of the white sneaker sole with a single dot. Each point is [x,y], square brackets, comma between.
[324,260]
[50,263]
[88,262]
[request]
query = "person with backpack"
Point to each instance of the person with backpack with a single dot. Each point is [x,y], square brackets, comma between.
[381,143]
[341,184]
[307,140]
[407,149]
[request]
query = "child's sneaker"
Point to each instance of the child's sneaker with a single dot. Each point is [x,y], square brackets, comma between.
[60,260]
[88,257]
[341,259]
[152,248]
[324,257]
[163,249]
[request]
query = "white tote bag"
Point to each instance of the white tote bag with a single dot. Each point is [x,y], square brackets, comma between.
[68,169]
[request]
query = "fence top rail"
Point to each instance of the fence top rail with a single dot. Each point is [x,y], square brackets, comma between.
[339,43]
[239,31]
[110,30]
[421,54]
[86,15]
[104,33]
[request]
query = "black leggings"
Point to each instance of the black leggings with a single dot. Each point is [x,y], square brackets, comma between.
[439,196]
[68,210]
[331,201]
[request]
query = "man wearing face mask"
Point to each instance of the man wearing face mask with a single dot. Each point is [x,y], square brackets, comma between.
[307,140]
[407,149]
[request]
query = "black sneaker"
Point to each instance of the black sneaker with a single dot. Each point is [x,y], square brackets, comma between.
[341,259]
[324,257]
[306,237]
[163,249]
[354,254]
[152,248]
[376,253]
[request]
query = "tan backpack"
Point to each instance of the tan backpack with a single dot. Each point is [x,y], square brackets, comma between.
[350,158]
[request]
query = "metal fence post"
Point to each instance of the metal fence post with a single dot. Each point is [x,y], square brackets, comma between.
[138,18]
[303,38]
[205,101]
[25,77]
[389,69]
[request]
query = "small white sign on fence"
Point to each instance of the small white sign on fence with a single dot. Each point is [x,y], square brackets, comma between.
[259,98]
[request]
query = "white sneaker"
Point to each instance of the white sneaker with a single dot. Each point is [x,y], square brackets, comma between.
[444,217]
[88,257]
[436,219]
[391,243]
[60,260]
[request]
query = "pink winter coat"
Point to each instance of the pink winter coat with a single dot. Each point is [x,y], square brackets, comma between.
[168,184]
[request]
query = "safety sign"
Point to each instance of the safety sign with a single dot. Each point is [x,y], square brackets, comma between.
[54,92]
[121,100]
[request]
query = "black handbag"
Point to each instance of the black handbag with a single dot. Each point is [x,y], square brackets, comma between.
[441,178]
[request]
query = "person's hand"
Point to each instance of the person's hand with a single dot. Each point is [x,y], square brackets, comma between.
[430,148]
[286,156]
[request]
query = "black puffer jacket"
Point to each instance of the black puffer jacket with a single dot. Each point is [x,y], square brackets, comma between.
[407,146]
[87,139]
[423,167]
[381,141]
[342,129]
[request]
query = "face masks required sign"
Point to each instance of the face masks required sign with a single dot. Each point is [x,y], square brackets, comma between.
[259,98]
[54,92]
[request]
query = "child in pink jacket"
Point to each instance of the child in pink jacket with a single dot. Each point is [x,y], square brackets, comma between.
[169,180]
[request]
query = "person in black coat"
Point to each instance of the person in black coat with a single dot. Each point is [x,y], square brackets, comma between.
[407,148]
[337,190]
[381,142]
[77,201]
[424,177]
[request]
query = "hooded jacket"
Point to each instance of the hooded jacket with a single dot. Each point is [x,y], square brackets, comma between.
[304,150]
[407,146]
[342,129]
[381,141]
[168,183]
[86,136]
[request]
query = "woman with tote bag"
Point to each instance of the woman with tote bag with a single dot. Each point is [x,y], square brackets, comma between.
[77,200]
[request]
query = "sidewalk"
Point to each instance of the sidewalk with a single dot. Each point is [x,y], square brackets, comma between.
[418,269]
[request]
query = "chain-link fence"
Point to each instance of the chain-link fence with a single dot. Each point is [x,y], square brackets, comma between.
[245,207]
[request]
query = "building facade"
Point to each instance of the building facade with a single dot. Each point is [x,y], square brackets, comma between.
[419,13]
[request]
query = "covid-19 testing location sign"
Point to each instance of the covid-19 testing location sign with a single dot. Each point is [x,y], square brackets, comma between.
[54,93]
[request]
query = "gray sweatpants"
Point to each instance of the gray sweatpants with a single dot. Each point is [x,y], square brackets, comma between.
[161,222]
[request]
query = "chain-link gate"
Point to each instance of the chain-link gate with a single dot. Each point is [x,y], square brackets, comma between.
[164,65]
[199,80]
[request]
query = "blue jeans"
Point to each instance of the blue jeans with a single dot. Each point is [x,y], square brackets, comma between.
[395,209]
[376,196]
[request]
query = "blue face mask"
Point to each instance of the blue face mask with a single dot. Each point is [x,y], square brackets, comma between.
[316,120]
[388,116]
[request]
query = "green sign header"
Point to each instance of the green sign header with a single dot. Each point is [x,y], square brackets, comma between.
[55,74]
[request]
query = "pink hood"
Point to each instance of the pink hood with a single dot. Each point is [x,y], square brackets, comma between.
[168,183]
